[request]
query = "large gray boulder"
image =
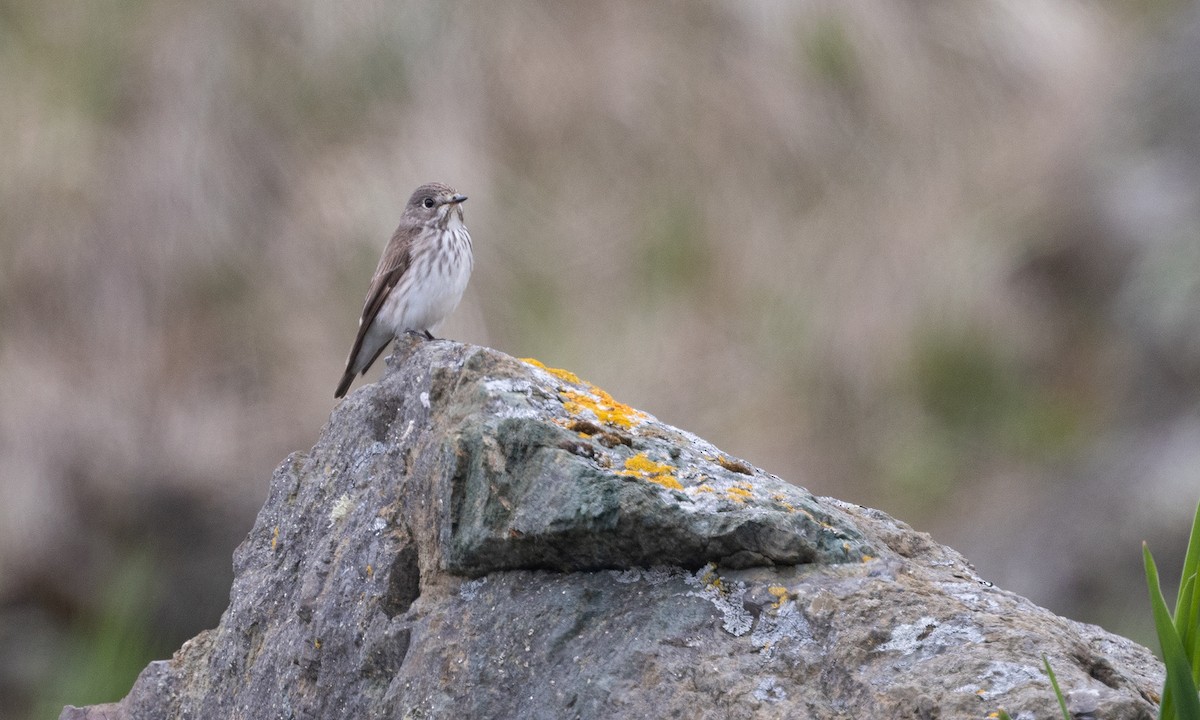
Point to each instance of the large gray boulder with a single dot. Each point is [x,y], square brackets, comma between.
[480,537]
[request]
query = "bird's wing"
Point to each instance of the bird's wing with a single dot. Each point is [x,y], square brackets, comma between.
[392,266]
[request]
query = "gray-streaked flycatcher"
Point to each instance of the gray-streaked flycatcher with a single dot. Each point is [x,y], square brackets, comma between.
[419,280]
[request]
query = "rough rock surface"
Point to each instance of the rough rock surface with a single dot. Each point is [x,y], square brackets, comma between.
[477,536]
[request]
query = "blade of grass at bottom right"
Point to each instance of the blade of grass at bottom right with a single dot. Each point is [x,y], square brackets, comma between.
[1187,605]
[1179,695]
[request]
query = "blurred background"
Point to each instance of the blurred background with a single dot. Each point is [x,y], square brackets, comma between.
[938,258]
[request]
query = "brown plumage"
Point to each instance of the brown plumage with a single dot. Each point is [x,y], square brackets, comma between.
[420,277]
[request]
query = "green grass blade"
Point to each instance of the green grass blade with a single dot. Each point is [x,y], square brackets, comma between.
[1187,605]
[1193,646]
[1062,703]
[1191,561]
[1185,625]
[1180,689]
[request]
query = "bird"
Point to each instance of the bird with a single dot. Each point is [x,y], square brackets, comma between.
[420,277]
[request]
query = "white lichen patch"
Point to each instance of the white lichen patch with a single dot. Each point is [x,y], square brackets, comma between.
[774,626]
[660,574]
[508,411]
[726,598]
[424,398]
[506,386]
[626,577]
[407,431]
[470,590]
[1002,677]
[341,508]
[656,575]
[928,634]
[376,448]
[736,620]
[513,398]
[970,595]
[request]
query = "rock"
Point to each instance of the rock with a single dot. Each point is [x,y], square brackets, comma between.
[478,536]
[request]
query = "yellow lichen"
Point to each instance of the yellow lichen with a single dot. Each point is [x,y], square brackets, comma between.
[640,463]
[868,558]
[780,498]
[275,538]
[705,488]
[710,578]
[667,481]
[640,466]
[739,493]
[780,593]
[559,373]
[602,405]
[592,398]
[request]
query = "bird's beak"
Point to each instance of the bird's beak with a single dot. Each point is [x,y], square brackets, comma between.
[456,199]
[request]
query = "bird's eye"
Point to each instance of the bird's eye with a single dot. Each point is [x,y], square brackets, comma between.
[428,202]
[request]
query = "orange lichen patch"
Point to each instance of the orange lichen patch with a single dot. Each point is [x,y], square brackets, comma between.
[780,593]
[740,492]
[705,488]
[868,558]
[565,375]
[780,498]
[640,466]
[559,373]
[275,538]
[602,405]
[370,571]
[710,578]
[667,481]
[594,399]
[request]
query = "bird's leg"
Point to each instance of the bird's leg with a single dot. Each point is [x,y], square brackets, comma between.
[429,335]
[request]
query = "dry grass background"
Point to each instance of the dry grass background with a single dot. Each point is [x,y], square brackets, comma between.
[937,258]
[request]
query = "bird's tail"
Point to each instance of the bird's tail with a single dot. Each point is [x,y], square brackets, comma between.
[344,385]
[367,348]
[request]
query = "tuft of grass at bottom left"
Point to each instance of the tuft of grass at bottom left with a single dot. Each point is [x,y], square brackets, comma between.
[105,652]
